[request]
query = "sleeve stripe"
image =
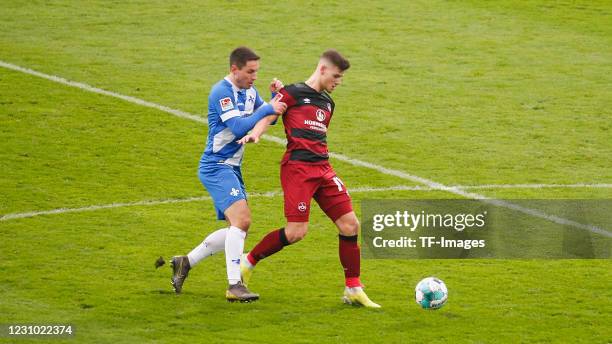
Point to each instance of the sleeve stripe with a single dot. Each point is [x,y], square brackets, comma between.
[230,114]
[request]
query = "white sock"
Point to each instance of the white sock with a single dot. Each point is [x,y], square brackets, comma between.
[213,243]
[234,245]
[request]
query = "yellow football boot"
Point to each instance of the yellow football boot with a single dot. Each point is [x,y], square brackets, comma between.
[246,270]
[356,296]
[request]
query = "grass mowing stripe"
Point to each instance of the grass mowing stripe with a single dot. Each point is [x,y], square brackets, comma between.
[355,162]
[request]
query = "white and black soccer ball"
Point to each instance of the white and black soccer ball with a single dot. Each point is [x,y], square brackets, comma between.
[431,293]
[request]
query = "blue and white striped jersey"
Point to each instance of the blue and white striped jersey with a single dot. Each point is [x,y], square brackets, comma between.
[225,102]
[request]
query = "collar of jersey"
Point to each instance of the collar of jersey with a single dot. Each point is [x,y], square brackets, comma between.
[234,87]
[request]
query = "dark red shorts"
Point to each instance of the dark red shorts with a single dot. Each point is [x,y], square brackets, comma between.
[302,182]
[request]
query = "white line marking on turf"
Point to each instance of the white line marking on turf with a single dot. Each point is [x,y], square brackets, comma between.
[532,186]
[118,205]
[96,207]
[486,186]
[355,162]
[279,193]
[89,88]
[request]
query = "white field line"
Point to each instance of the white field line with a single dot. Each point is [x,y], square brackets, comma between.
[89,88]
[117,205]
[97,207]
[485,186]
[279,193]
[533,186]
[355,162]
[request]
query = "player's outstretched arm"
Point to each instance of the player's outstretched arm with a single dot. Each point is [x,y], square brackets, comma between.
[263,124]
[240,126]
[259,129]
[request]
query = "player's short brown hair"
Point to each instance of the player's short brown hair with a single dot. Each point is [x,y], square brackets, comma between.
[333,56]
[241,55]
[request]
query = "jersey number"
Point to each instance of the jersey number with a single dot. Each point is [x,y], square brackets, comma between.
[339,183]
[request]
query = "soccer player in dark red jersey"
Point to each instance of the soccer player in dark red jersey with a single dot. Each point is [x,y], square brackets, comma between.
[306,174]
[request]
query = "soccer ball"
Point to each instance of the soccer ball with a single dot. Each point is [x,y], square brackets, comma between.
[431,293]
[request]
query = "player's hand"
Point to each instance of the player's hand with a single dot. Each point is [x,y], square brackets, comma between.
[276,85]
[248,138]
[278,106]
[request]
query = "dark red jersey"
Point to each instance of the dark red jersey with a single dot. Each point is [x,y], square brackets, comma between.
[306,121]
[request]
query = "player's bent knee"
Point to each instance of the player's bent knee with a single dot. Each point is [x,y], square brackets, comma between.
[297,236]
[348,225]
[239,215]
[350,229]
[243,223]
[296,233]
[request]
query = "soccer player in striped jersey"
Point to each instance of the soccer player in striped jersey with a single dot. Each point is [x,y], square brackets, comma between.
[234,108]
[306,174]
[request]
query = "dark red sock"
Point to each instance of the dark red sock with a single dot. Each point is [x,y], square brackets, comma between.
[269,245]
[350,259]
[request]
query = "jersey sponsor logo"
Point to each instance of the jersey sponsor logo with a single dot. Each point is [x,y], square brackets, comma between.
[301,207]
[314,125]
[226,104]
[320,115]
[306,100]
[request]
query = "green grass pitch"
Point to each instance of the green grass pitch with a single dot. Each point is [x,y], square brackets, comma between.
[459,92]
